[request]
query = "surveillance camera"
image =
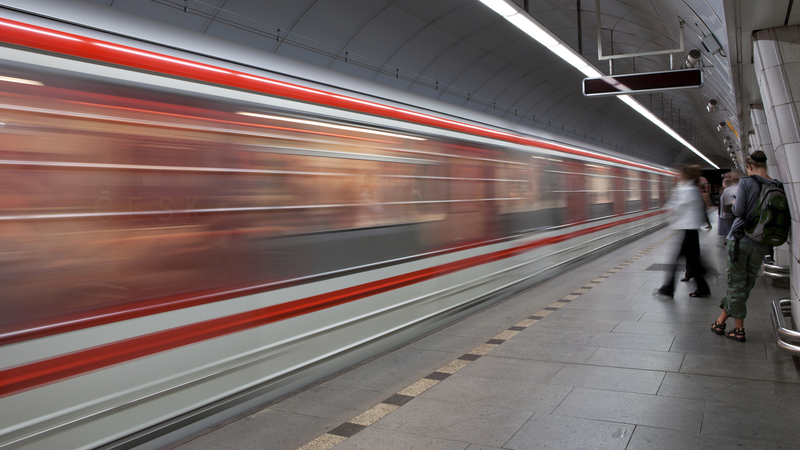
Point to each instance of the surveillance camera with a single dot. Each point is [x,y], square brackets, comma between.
[693,58]
[712,105]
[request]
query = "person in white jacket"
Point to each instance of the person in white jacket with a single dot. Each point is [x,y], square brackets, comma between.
[688,208]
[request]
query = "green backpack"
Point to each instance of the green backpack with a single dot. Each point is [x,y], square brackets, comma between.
[770,221]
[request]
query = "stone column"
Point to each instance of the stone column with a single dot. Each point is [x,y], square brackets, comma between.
[763,138]
[761,128]
[776,55]
[751,136]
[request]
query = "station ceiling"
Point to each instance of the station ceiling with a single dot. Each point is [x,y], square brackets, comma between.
[462,53]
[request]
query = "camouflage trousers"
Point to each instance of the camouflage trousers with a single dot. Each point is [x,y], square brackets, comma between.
[741,277]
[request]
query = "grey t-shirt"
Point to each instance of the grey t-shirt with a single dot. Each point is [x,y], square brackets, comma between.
[746,201]
[726,201]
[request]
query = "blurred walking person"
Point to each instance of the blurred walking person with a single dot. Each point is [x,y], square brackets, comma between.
[688,208]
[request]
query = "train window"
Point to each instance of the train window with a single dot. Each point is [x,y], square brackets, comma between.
[644,185]
[600,190]
[538,194]
[551,181]
[668,186]
[553,188]
[513,184]
[655,190]
[618,184]
[633,191]
[575,192]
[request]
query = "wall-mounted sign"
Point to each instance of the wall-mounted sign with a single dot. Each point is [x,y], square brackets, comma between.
[640,83]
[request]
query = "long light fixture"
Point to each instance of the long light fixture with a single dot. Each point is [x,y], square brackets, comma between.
[534,29]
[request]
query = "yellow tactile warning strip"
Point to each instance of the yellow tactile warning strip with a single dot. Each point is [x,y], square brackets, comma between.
[381,410]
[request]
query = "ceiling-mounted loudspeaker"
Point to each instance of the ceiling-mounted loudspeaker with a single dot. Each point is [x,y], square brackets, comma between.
[712,105]
[693,58]
[722,126]
[727,140]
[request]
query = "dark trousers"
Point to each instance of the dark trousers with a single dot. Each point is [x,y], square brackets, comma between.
[690,248]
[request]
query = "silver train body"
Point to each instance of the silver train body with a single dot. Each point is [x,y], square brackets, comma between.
[176,251]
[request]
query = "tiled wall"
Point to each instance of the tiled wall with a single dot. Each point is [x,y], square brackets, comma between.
[764,143]
[763,138]
[776,55]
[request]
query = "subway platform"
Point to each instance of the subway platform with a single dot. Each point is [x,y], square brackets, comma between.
[588,360]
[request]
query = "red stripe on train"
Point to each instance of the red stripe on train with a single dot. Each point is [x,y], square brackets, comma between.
[32,36]
[146,307]
[40,373]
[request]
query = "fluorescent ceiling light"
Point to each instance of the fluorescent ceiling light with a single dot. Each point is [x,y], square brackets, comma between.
[533,29]
[524,22]
[638,107]
[330,125]
[501,7]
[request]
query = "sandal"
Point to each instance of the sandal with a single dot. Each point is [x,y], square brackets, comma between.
[736,333]
[718,328]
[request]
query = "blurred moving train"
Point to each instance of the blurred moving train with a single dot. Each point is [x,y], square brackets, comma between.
[184,239]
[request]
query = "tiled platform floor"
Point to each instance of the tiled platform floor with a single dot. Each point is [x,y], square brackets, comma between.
[609,367]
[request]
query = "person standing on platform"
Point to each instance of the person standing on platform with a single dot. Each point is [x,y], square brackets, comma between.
[702,184]
[743,265]
[726,200]
[689,208]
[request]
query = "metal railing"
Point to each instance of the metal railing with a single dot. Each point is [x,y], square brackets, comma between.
[772,270]
[786,339]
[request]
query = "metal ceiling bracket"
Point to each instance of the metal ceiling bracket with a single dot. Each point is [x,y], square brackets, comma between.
[580,27]
[602,57]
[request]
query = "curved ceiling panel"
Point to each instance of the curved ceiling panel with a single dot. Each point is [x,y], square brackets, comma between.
[460,52]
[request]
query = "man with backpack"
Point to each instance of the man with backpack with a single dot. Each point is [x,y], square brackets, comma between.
[762,220]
